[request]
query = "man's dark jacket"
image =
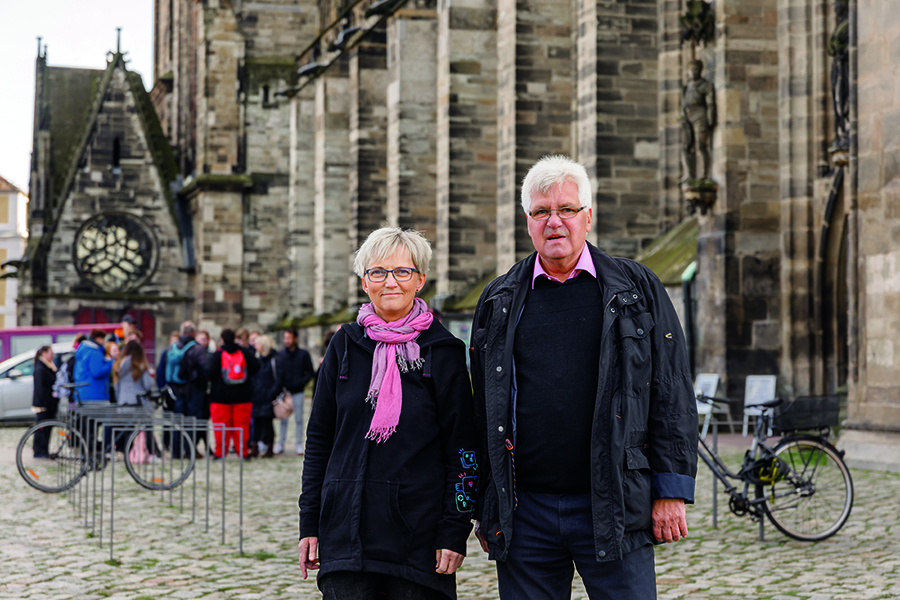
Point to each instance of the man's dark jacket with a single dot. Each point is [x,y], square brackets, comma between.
[644,429]
[223,393]
[192,369]
[294,369]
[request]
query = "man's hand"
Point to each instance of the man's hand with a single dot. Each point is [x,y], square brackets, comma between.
[480,536]
[669,522]
[309,554]
[448,561]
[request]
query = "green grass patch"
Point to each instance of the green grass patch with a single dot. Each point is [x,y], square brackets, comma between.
[263,555]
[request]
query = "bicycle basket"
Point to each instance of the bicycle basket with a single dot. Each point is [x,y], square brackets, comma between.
[807,413]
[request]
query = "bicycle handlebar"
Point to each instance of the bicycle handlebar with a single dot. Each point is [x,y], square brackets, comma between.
[701,397]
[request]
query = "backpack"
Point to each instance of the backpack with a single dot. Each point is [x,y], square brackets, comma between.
[234,367]
[62,378]
[174,357]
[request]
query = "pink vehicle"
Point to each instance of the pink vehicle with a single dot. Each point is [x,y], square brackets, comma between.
[17,340]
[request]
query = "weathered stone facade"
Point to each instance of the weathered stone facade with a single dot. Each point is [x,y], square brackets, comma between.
[298,126]
[101,158]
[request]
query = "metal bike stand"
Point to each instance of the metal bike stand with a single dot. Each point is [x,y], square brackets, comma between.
[715,481]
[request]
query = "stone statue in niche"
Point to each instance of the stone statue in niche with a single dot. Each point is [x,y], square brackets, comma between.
[838,45]
[698,107]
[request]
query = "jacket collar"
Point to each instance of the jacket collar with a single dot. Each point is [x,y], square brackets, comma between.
[610,276]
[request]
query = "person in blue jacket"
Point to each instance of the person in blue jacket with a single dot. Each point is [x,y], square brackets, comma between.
[92,370]
[93,367]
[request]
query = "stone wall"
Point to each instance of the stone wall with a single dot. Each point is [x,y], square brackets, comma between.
[332,201]
[467,144]
[738,246]
[616,124]
[535,91]
[368,146]
[411,129]
[876,401]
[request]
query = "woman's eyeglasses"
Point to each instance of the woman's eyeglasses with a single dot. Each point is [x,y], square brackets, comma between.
[566,212]
[400,274]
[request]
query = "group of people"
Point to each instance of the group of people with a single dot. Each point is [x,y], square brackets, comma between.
[234,386]
[572,444]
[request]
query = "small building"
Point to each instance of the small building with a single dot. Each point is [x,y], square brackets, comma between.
[13,234]
[108,236]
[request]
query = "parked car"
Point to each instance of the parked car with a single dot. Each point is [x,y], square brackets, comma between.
[17,382]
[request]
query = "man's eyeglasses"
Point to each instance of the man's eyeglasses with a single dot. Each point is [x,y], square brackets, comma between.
[400,274]
[565,212]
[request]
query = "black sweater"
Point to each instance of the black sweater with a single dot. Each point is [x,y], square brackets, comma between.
[557,352]
[386,507]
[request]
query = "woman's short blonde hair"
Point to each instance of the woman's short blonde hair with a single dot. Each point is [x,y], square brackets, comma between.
[383,242]
[265,343]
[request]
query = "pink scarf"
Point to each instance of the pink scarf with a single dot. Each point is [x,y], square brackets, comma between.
[395,351]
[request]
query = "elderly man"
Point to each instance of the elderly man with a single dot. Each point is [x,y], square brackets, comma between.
[584,407]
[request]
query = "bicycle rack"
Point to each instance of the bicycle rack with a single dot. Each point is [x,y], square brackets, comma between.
[117,420]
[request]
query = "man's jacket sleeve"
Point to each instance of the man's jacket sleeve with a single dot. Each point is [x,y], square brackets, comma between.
[673,424]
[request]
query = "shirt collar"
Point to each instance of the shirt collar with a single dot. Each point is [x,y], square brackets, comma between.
[584,264]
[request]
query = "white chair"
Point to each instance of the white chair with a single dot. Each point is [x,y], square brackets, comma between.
[757,389]
[708,385]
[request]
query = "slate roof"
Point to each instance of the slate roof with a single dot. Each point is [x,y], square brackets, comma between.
[670,254]
[6,186]
[69,98]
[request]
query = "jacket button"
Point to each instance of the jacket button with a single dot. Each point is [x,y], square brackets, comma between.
[499,369]
[500,429]
[640,332]
[601,554]
[634,296]
[504,310]
[503,490]
[612,310]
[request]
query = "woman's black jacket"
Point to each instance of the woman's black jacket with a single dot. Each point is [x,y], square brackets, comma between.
[44,378]
[266,386]
[386,507]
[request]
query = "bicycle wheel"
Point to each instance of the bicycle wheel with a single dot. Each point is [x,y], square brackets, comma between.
[152,467]
[812,494]
[66,461]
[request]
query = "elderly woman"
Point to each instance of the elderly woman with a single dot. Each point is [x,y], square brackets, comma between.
[389,467]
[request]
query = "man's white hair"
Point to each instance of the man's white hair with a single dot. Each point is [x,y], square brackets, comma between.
[553,171]
[383,242]
[188,328]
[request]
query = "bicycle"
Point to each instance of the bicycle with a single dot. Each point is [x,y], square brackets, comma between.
[802,485]
[67,461]
[70,456]
[152,473]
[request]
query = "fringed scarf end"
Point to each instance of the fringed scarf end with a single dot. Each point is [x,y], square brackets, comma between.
[405,365]
[380,435]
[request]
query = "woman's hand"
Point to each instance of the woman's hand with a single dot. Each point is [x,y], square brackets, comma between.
[448,561]
[309,554]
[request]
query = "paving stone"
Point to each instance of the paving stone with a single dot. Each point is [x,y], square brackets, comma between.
[47,553]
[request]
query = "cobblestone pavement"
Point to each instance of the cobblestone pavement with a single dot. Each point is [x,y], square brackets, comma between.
[47,553]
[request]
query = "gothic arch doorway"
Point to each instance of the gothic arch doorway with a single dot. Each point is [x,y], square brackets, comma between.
[835,293]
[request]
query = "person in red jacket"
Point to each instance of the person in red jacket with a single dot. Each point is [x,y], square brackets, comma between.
[231,369]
